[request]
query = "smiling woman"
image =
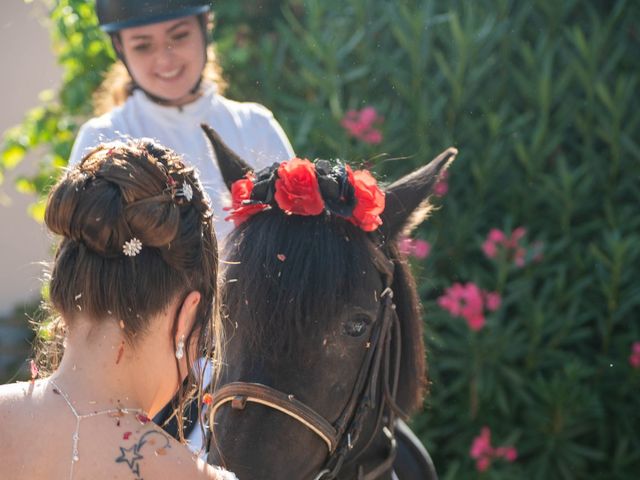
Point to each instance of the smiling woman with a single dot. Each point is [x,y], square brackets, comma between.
[167,82]
[166,59]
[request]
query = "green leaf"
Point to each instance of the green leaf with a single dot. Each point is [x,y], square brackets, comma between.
[12,156]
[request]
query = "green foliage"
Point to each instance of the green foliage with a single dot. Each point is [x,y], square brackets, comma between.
[84,55]
[541,99]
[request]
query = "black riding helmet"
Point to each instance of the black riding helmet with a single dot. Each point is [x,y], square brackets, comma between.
[115,15]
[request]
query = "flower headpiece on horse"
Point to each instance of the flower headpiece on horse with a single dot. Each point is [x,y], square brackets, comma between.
[302,187]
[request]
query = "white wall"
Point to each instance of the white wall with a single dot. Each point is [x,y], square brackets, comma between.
[27,66]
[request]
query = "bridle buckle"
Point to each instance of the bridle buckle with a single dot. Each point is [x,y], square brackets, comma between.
[239,402]
[387,291]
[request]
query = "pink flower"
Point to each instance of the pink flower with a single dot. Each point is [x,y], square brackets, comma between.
[481,450]
[417,248]
[511,245]
[493,301]
[421,249]
[452,299]
[481,445]
[496,236]
[361,125]
[483,453]
[509,453]
[489,248]
[441,187]
[518,256]
[483,464]
[372,136]
[475,321]
[517,235]
[473,305]
[634,358]
[469,301]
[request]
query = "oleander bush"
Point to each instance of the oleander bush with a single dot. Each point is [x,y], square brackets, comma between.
[527,268]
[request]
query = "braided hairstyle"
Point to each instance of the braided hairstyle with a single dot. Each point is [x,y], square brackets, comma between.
[121,191]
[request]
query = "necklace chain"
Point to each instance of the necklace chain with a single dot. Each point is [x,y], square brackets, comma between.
[79,417]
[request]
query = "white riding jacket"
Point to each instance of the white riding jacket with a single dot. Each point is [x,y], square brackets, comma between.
[248,128]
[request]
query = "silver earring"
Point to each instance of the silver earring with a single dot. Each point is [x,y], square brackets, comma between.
[180,348]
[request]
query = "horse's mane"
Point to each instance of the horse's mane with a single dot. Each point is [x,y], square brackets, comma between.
[288,273]
[413,365]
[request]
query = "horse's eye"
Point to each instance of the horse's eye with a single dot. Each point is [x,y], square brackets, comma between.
[357,325]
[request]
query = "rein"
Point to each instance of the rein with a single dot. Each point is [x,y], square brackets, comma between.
[380,367]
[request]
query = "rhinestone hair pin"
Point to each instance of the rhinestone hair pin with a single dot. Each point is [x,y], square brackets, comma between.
[185,191]
[132,247]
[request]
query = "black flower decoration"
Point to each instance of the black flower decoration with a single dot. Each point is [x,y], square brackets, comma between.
[264,184]
[336,190]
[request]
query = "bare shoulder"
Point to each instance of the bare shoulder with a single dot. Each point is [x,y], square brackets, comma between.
[18,413]
[10,395]
[16,398]
[151,453]
[12,391]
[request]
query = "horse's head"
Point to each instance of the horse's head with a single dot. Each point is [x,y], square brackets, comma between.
[324,342]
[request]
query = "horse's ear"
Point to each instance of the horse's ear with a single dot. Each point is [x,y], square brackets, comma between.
[405,202]
[232,167]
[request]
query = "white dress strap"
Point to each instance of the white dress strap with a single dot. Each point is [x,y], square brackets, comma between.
[76,434]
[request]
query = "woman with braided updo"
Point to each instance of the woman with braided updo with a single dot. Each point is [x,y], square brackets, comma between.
[134,286]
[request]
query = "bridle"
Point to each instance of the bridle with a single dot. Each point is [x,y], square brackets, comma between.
[380,368]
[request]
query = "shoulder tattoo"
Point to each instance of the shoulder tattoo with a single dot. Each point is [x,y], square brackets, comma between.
[132,456]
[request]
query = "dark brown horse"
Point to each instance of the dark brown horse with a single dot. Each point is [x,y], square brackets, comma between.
[325,351]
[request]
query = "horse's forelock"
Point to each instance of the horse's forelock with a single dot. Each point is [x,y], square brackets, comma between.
[288,274]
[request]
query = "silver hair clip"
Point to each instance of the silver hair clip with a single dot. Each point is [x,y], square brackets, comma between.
[185,191]
[132,247]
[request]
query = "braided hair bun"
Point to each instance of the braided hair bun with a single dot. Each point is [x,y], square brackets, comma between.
[121,192]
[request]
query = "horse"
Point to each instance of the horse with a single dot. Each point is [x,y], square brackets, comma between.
[325,355]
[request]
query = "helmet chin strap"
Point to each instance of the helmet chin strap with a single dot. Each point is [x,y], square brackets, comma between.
[165,101]
[202,20]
